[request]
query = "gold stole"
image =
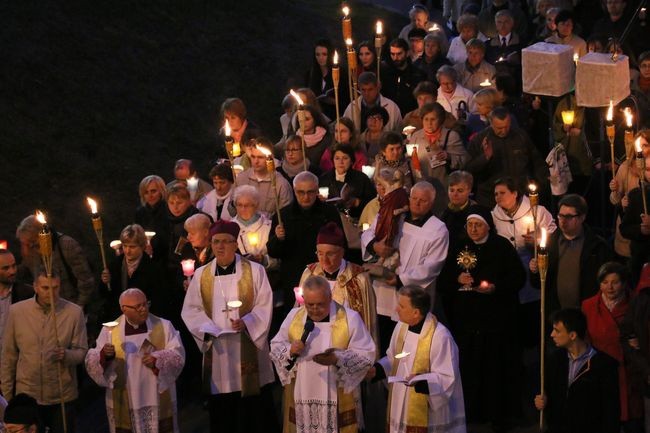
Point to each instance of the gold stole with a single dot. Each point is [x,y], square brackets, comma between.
[250,381]
[120,393]
[417,415]
[347,417]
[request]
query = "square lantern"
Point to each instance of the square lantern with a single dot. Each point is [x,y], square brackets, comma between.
[547,69]
[599,79]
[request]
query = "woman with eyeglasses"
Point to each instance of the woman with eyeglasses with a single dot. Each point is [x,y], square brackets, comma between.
[479,284]
[133,268]
[376,120]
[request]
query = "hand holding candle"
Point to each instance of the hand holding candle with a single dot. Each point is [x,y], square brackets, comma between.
[192,187]
[297,291]
[336,79]
[99,231]
[109,327]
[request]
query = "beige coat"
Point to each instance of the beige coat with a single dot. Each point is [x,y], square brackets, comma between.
[28,338]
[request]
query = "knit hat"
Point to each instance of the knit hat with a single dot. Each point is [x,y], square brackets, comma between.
[221,226]
[482,213]
[22,409]
[331,234]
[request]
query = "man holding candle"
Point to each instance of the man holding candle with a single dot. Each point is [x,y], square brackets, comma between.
[473,72]
[138,362]
[227,309]
[259,177]
[321,354]
[31,351]
[421,346]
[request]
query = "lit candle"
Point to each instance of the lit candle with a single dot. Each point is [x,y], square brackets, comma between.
[629,132]
[641,166]
[611,132]
[368,170]
[3,245]
[238,168]
[408,130]
[379,29]
[365,226]
[324,191]
[253,239]
[486,83]
[500,59]
[347,23]
[336,78]
[434,28]
[192,186]
[542,240]
[529,223]
[410,148]
[533,196]
[576,57]
[568,117]
[297,291]
[188,267]
[484,285]
[402,355]
[236,149]
[149,235]
[99,231]
[117,246]
[301,123]
[110,326]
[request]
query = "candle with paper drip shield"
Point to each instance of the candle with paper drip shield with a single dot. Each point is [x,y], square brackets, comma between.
[368,170]
[233,308]
[192,187]
[485,83]
[109,327]
[410,147]
[408,130]
[298,293]
[324,192]
[188,268]
[116,245]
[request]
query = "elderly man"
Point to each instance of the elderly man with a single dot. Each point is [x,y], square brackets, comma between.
[294,242]
[227,309]
[503,150]
[321,354]
[349,283]
[68,260]
[399,77]
[35,351]
[487,17]
[455,99]
[431,367]
[505,46]
[134,269]
[11,291]
[423,243]
[369,87]
[575,253]
[475,70]
[138,362]
[259,177]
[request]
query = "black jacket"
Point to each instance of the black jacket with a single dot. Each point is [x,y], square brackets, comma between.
[358,185]
[398,85]
[298,248]
[590,404]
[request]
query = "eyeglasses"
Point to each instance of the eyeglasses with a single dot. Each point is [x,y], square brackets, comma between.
[222,241]
[308,192]
[143,306]
[567,216]
[292,150]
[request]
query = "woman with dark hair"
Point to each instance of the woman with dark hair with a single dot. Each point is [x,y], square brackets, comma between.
[432,58]
[376,119]
[242,130]
[479,284]
[439,149]
[319,78]
[317,136]
[218,202]
[605,312]
[344,133]
[351,185]
[367,58]
[392,154]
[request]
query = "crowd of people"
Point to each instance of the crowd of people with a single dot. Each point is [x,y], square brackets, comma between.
[382,268]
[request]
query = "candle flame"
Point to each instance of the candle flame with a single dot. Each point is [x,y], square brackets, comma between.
[93,205]
[264,150]
[500,59]
[346,11]
[542,241]
[296,96]
[110,324]
[336,58]
[610,111]
[188,267]
[576,57]
[637,145]
[402,355]
[434,28]
[348,42]
[532,188]
[227,129]
[40,217]
[628,117]
[115,244]
[234,304]
[486,83]
[379,28]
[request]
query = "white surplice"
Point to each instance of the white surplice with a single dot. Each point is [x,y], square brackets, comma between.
[445,401]
[422,253]
[226,349]
[142,384]
[315,395]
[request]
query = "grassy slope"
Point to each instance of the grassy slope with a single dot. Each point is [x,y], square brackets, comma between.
[96,95]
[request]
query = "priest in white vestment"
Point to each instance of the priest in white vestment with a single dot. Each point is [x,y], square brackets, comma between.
[227,309]
[138,359]
[425,389]
[423,241]
[321,354]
